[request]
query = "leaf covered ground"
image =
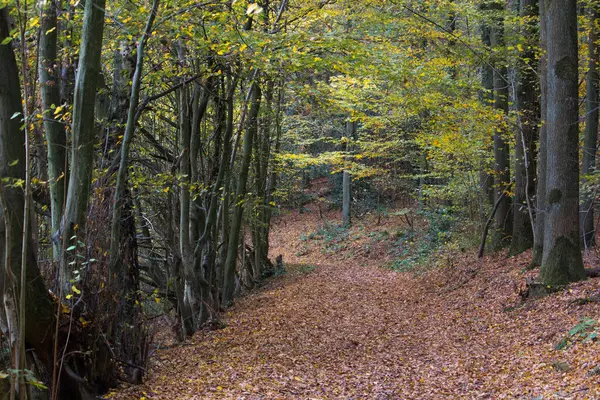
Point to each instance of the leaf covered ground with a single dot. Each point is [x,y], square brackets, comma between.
[339,326]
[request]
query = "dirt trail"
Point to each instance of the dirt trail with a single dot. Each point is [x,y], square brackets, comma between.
[352,330]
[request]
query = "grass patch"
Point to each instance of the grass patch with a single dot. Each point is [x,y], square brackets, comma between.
[300,269]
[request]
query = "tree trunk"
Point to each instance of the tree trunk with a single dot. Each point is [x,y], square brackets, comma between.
[540,197]
[56,138]
[347,178]
[38,306]
[83,134]
[588,163]
[118,203]
[501,146]
[562,261]
[236,223]
[526,133]
[487,98]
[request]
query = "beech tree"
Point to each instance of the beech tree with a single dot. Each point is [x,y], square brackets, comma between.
[562,261]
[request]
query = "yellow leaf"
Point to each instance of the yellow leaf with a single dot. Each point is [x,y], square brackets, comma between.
[74,289]
[254,9]
[57,110]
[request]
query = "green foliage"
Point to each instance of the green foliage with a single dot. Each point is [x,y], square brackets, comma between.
[584,331]
[415,247]
[300,269]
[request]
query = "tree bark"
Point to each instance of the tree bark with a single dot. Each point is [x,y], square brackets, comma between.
[526,133]
[562,261]
[236,223]
[38,306]
[540,196]
[501,145]
[83,133]
[56,138]
[487,98]
[115,234]
[347,178]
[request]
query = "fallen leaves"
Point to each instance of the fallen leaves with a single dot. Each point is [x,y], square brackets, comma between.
[349,329]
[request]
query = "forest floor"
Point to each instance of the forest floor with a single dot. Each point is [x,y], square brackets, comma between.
[338,325]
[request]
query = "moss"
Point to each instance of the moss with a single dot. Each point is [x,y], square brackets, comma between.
[554,196]
[563,264]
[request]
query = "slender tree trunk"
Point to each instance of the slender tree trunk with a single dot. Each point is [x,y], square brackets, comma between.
[347,178]
[562,261]
[236,223]
[588,163]
[526,133]
[501,145]
[275,164]
[56,138]
[115,237]
[540,197]
[38,306]
[487,98]
[83,133]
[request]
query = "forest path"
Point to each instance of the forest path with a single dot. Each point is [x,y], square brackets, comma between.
[351,330]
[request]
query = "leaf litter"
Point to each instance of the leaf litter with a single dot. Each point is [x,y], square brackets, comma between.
[346,328]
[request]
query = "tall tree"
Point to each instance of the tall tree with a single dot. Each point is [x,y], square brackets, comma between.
[501,144]
[56,138]
[82,129]
[562,261]
[38,308]
[588,163]
[347,177]
[540,195]
[527,131]
[240,194]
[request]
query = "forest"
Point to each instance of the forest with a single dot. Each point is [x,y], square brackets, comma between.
[283,199]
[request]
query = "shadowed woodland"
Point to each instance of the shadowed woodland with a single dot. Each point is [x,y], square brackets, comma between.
[299,199]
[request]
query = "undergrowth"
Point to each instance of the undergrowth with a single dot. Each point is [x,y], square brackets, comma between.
[585,331]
